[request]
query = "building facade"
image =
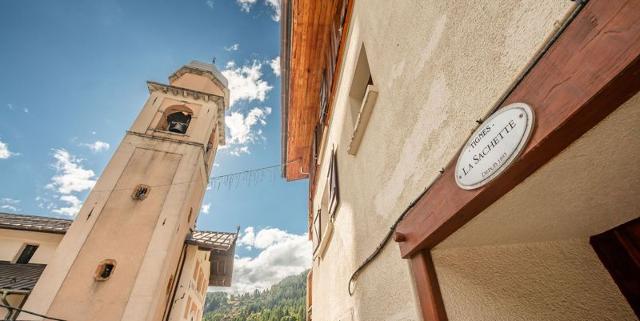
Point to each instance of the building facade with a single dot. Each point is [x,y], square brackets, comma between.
[380,98]
[132,252]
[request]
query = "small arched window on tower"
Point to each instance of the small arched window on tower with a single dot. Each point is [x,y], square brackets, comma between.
[140,192]
[175,119]
[105,269]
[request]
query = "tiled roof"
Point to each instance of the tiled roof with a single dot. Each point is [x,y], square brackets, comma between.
[24,276]
[212,240]
[204,239]
[34,223]
[19,276]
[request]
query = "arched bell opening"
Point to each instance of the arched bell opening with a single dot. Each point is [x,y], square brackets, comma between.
[176,119]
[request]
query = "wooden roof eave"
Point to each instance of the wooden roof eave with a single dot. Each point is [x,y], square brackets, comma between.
[305,31]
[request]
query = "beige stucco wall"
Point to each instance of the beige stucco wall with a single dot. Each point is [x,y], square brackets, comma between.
[438,66]
[12,241]
[557,280]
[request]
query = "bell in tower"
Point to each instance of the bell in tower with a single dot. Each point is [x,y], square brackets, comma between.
[178,122]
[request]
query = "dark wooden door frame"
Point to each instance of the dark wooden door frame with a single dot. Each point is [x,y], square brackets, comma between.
[591,69]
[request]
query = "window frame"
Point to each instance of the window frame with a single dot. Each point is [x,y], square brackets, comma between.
[21,252]
[332,181]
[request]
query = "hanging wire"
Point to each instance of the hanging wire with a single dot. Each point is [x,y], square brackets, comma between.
[232,180]
[11,309]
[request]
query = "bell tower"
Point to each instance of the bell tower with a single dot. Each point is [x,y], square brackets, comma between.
[120,257]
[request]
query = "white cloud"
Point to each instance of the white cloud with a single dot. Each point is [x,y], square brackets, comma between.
[71,177]
[13,107]
[206,208]
[74,205]
[245,82]
[210,4]
[275,5]
[247,238]
[237,151]
[245,5]
[283,254]
[245,130]
[97,146]
[9,204]
[240,126]
[5,152]
[233,47]
[275,66]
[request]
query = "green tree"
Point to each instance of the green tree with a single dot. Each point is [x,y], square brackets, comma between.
[284,301]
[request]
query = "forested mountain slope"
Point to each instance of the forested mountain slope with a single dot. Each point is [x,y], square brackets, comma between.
[284,301]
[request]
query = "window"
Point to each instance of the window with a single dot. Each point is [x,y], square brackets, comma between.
[140,192]
[317,230]
[178,122]
[361,79]
[105,270]
[362,97]
[175,119]
[334,197]
[27,253]
[324,97]
[325,216]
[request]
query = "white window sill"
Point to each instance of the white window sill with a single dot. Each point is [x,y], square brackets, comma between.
[324,243]
[369,100]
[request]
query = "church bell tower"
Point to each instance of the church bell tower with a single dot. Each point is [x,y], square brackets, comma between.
[120,257]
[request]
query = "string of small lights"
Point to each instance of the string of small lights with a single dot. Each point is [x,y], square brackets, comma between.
[231,180]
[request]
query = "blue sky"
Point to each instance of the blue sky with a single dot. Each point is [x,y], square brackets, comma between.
[73,78]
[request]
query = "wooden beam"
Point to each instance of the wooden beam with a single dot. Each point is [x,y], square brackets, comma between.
[587,73]
[427,287]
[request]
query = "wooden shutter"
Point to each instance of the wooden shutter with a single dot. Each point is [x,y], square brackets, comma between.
[334,192]
[317,230]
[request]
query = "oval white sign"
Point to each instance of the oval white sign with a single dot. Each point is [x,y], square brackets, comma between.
[494,145]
